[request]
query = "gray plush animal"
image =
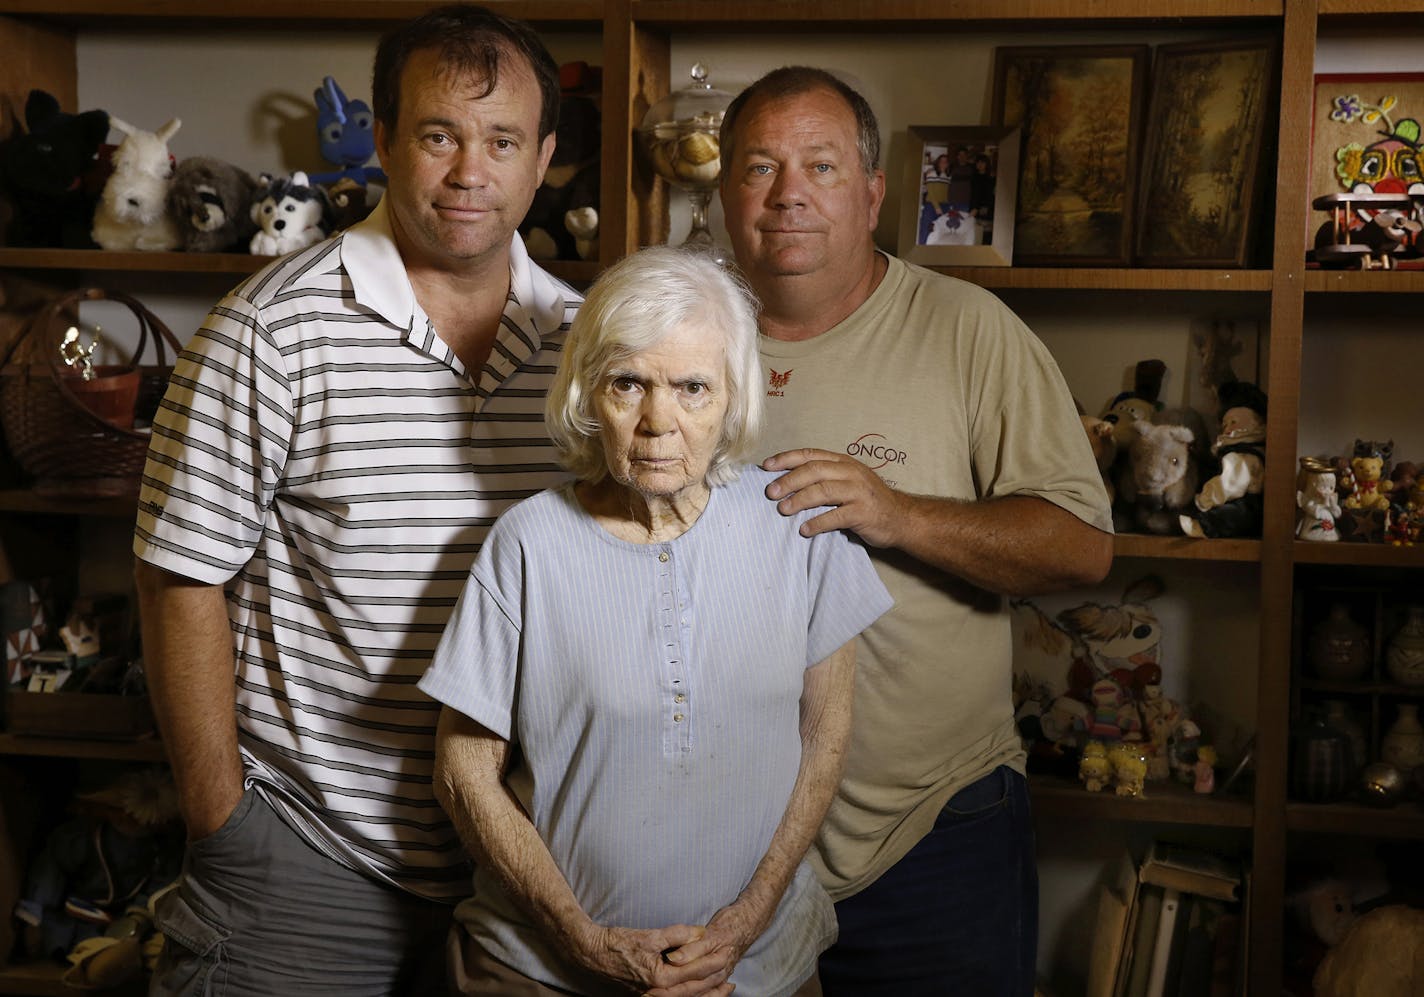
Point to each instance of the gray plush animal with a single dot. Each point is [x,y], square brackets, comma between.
[210,202]
[1164,461]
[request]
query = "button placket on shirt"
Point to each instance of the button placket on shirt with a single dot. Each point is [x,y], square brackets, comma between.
[673,622]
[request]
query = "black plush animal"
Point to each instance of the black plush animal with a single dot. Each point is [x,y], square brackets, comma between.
[52,174]
[210,202]
[570,184]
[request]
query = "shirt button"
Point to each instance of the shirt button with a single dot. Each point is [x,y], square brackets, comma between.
[663,557]
[679,698]
[677,718]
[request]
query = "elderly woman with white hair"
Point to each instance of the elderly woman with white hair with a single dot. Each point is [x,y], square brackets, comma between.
[647,682]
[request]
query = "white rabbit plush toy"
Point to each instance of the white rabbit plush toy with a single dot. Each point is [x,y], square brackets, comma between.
[132,212]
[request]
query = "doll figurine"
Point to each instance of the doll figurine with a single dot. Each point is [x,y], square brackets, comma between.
[1159,716]
[1205,770]
[1230,504]
[1094,769]
[1129,767]
[1182,751]
[1108,701]
[1318,500]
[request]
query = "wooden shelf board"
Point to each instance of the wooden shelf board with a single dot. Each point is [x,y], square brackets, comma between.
[354,13]
[1365,281]
[1361,687]
[1358,7]
[1164,802]
[24,500]
[1114,279]
[903,14]
[1375,555]
[45,979]
[1185,548]
[1405,820]
[148,749]
[578,272]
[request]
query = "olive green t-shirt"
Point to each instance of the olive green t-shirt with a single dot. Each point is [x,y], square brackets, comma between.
[942,390]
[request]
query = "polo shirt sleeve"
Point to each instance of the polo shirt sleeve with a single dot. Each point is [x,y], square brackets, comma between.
[219,447]
[475,669]
[1025,433]
[845,595]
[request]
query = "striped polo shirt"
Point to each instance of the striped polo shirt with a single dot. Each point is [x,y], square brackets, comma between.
[327,457]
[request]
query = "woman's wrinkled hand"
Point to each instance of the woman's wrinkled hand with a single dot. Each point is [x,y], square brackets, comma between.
[657,962]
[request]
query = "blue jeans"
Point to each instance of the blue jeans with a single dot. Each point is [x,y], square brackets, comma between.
[958,915]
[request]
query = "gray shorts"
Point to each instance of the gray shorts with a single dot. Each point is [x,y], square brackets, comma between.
[259,912]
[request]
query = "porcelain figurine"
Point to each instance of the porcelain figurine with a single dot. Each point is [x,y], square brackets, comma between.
[1318,500]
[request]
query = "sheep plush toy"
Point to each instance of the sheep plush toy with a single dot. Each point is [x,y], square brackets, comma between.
[210,202]
[133,210]
[289,213]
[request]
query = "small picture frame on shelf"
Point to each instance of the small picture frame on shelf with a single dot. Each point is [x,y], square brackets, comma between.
[1365,140]
[957,202]
[1079,108]
[1206,125]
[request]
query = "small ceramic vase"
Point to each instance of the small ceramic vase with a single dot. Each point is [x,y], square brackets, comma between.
[1403,744]
[1339,648]
[1405,658]
[1338,717]
[1321,763]
[1382,784]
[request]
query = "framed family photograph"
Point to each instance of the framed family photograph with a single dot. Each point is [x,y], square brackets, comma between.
[957,203]
[1365,137]
[1207,124]
[1079,109]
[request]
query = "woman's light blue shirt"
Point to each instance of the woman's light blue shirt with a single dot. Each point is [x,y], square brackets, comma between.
[652,693]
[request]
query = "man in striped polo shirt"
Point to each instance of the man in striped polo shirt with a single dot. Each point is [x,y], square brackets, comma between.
[335,443]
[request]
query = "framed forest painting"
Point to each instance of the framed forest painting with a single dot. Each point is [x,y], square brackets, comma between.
[1079,111]
[1207,123]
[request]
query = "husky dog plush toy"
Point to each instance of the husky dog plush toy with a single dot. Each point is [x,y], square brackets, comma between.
[288,212]
[210,202]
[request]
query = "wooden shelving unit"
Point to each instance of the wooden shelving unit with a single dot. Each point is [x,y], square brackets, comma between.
[147,749]
[637,37]
[1163,802]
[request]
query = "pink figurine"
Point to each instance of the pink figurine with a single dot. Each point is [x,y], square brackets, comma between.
[1205,770]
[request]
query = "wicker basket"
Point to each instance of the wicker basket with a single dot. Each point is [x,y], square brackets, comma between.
[59,439]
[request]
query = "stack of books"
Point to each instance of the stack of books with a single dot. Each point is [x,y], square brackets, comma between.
[1173,925]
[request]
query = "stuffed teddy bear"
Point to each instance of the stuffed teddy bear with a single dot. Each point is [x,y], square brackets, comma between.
[210,203]
[1230,503]
[1381,954]
[1129,407]
[52,173]
[133,210]
[562,221]
[1103,442]
[289,213]
[1368,466]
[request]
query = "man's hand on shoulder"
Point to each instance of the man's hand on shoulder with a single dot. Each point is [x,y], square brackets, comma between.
[863,503]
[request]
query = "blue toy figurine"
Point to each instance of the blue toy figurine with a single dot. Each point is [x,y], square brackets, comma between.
[346,131]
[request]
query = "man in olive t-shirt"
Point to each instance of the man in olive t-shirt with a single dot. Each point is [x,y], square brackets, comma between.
[940,431]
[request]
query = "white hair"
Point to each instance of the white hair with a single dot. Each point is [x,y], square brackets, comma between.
[633,306]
